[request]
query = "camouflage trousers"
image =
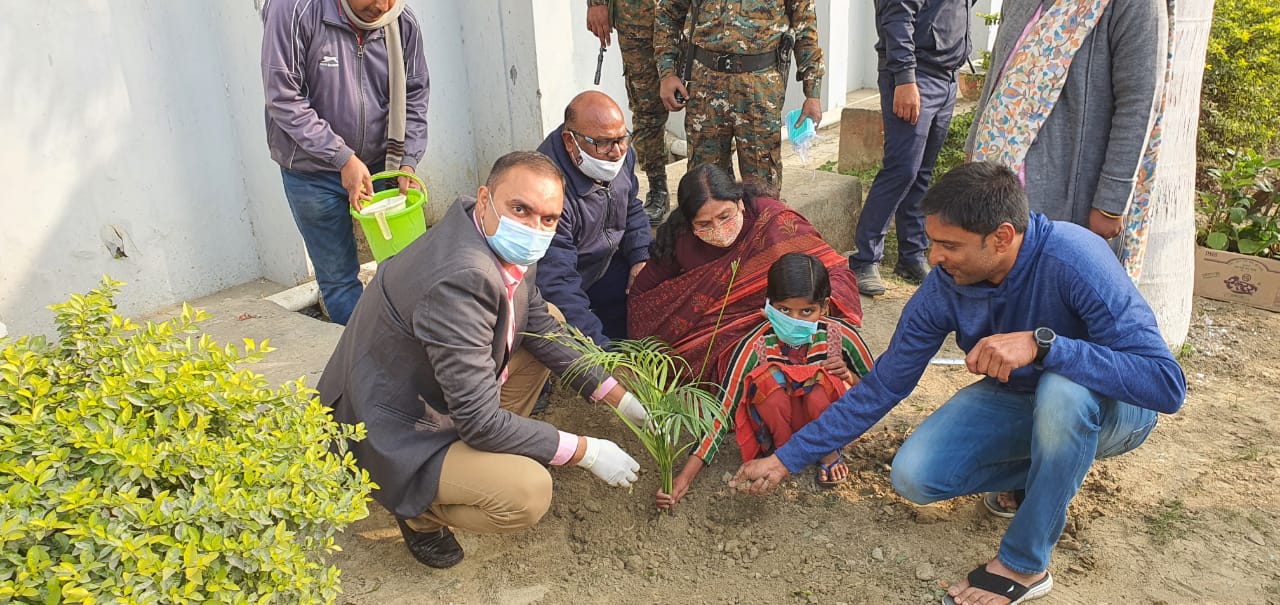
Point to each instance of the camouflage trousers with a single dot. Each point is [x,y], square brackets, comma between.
[648,115]
[742,109]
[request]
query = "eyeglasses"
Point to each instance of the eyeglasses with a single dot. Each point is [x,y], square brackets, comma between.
[605,145]
[717,222]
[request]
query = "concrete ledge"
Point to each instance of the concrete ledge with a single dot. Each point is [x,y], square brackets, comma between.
[861,139]
[305,295]
[830,201]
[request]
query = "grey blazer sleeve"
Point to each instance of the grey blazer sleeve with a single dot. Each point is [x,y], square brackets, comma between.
[457,324]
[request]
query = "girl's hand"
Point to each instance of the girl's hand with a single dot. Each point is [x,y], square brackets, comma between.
[680,484]
[836,367]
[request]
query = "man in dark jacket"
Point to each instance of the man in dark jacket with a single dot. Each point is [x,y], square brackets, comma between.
[346,94]
[1072,364]
[921,46]
[442,363]
[603,237]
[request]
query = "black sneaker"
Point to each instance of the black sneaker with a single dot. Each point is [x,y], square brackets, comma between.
[913,271]
[655,206]
[869,281]
[438,549]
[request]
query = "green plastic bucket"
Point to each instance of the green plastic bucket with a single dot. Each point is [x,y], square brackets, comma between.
[391,224]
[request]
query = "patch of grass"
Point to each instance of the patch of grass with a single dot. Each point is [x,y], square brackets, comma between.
[864,175]
[952,152]
[1251,453]
[1186,351]
[1171,520]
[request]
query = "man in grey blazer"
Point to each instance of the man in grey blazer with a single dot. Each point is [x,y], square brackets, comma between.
[433,362]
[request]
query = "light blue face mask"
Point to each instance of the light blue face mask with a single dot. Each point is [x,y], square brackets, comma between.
[516,243]
[794,332]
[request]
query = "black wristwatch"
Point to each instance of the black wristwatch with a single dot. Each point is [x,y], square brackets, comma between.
[1044,341]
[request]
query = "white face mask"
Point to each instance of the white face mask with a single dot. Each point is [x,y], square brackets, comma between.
[596,168]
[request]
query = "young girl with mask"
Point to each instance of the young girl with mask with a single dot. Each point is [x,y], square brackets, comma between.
[785,372]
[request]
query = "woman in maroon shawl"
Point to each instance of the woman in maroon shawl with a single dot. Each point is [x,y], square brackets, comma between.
[718,224]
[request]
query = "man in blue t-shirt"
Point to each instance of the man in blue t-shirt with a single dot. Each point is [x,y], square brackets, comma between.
[1074,369]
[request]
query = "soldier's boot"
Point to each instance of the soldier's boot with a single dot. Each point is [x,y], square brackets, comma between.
[656,203]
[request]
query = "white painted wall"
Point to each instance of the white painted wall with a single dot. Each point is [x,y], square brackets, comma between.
[860,69]
[146,118]
[501,60]
[116,118]
[566,54]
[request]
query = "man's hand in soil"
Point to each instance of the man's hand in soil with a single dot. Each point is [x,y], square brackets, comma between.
[680,484]
[759,476]
[355,179]
[999,355]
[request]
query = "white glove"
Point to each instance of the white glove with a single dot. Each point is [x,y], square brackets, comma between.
[607,461]
[633,410]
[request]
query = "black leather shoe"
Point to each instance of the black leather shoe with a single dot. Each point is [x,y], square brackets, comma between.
[869,282]
[656,206]
[913,271]
[438,549]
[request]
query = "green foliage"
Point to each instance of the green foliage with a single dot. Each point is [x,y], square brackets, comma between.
[865,175]
[952,152]
[139,465]
[989,19]
[984,61]
[1241,210]
[1240,102]
[660,379]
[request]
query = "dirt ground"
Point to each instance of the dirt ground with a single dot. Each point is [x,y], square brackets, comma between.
[1191,517]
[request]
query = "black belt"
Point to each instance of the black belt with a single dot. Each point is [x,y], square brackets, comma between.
[731,63]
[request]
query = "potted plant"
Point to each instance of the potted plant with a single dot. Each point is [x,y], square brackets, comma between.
[971,81]
[1238,229]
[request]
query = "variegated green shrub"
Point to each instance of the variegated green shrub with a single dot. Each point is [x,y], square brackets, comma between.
[143,464]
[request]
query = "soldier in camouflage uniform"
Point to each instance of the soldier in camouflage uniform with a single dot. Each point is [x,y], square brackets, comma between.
[737,83]
[634,21]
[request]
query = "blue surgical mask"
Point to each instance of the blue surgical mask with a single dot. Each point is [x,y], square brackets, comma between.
[516,243]
[792,331]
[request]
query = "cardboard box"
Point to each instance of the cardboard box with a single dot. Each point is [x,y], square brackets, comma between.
[1251,280]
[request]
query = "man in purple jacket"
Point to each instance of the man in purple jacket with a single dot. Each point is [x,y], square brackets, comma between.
[602,240]
[346,94]
[1073,363]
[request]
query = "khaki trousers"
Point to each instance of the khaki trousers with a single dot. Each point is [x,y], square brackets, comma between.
[489,492]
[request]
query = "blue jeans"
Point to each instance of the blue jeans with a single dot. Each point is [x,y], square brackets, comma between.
[990,439]
[910,151]
[320,209]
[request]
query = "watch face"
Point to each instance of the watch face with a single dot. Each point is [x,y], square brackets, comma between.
[1044,335]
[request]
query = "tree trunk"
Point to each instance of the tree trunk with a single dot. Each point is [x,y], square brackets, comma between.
[1168,269]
